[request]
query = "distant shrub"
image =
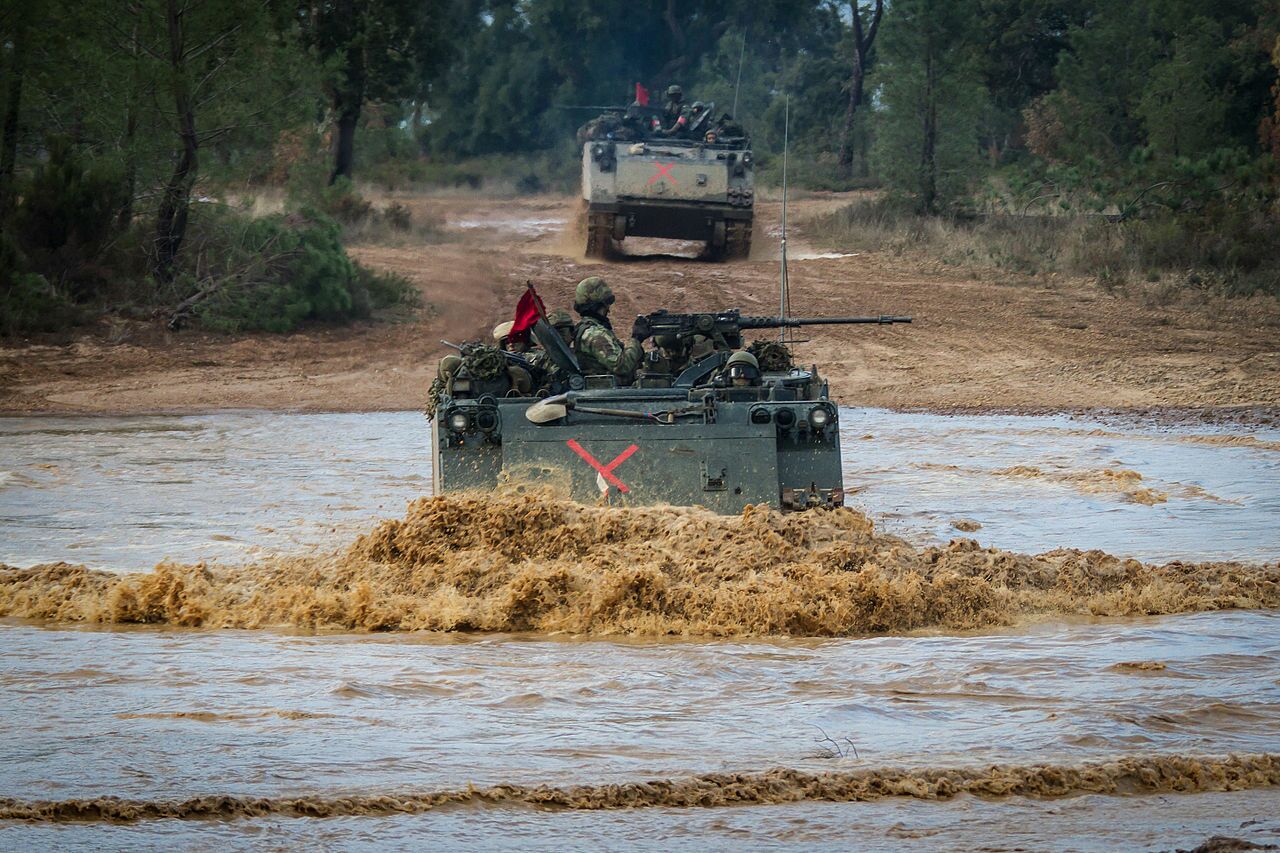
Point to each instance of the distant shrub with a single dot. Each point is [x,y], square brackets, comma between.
[342,202]
[397,216]
[387,290]
[272,273]
[65,219]
[1232,248]
[28,303]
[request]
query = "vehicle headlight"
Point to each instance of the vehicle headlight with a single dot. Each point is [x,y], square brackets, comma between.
[458,422]
[819,417]
[487,420]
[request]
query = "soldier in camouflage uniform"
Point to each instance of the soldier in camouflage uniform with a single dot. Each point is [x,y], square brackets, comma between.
[742,369]
[598,348]
[675,115]
[562,321]
[551,375]
[442,385]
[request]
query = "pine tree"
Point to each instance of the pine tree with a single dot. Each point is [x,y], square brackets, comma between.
[931,100]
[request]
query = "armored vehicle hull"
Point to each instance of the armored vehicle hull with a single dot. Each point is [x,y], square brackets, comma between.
[674,189]
[721,450]
[708,421]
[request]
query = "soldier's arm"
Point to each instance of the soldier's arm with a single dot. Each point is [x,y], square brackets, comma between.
[620,360]
[630,359]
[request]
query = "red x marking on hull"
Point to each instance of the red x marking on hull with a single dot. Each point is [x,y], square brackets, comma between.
[605,471]
[664,171]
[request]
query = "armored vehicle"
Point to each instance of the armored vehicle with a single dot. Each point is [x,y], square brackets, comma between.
[636,183]
[706,423]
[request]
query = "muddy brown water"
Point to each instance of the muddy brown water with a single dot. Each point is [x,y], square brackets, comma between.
[125,493]
[160,716]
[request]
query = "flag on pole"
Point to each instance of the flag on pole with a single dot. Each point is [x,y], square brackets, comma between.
[528,311]
[642,96]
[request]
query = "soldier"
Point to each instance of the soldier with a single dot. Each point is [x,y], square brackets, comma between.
[674,354]
[598,348]
[562,321]
[502,337]
[697,118]
[741,370]
[551,375]
[442,385]
[675,116]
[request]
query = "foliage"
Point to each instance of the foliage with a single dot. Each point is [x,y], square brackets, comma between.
[1226,247]
[65,218]
[933,99]
[271,273]
[28,303]
[382,50]
[1111,137]
[387,290]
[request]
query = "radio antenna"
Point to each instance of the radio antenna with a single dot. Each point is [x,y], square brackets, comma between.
[784,294]
[738,85]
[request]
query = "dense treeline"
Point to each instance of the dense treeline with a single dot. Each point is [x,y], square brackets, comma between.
[127,127]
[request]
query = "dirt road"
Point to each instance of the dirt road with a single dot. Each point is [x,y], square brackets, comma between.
[981,339]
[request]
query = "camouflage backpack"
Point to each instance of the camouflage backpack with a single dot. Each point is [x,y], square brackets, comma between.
[773,356]
[483,362]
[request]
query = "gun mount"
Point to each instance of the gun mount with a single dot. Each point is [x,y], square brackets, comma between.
[724,329]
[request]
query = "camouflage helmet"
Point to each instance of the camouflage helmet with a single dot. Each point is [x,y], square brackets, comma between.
[674,91]
[560,317]
[698,106]
[592,291]
[502,331]
[449,364]
[742,369]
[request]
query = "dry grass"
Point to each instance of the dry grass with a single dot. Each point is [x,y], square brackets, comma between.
[1158,260]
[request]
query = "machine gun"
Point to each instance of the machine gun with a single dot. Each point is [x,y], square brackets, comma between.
[724,329]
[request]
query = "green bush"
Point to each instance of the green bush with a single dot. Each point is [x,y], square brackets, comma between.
[28,303]
[66,218]
[273,273]
[386,290]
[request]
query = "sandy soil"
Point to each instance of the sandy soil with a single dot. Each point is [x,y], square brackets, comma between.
[980,341]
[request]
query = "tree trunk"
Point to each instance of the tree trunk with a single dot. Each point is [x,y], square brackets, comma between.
[129,180]
[348,97]
[855,101]
[175,201]
[344,144]
[928,152]
[862,41]
[9,147]
[680,59]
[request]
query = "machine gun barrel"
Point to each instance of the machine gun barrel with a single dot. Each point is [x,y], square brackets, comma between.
[792,322]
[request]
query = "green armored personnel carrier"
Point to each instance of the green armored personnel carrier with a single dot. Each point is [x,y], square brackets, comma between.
[700,187]
[706,423]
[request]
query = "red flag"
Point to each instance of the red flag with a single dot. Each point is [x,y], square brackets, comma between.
[528,311]
[642,96]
